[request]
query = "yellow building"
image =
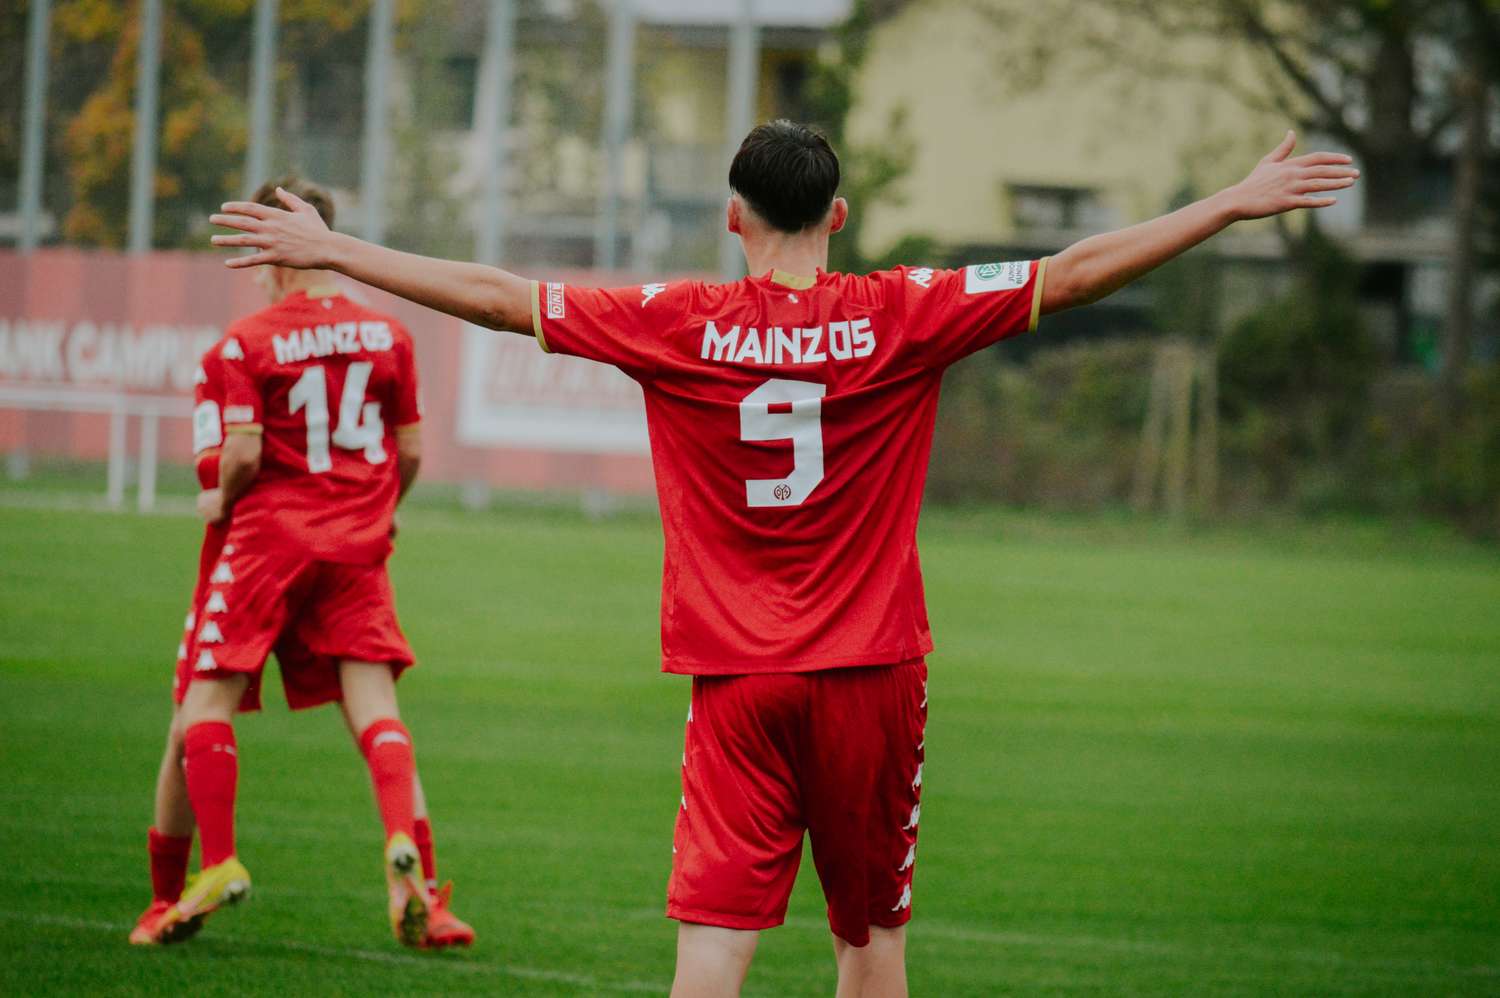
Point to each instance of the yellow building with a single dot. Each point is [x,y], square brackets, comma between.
[1012,144]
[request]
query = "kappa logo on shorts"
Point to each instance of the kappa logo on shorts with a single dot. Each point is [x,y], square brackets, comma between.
[222,573]
[182,651]
[556,303]
[916,784]
[909,861]
[905,901]
[916,816]
[211,635]
[192,618]
[216,603]
[206,661]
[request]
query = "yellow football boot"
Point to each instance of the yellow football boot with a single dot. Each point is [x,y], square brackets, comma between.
[409,904]
[213,887]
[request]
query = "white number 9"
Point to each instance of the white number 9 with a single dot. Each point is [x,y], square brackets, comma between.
[803,426]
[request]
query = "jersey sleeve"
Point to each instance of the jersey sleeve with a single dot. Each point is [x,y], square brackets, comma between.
[949,314]
[242,406]
[407,413]
[208,418]
[626,327]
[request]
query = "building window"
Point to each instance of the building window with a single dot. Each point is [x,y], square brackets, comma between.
[1038,207]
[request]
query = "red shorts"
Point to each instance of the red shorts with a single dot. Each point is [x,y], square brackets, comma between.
[254,598]
[837,754]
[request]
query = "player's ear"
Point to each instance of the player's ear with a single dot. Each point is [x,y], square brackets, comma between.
[838,215]
[732,216]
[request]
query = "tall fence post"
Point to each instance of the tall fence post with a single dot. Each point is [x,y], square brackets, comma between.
[739,115]
[376,134]
[619,102]
[143,160]
[29,199]
[262,96]
[493,114]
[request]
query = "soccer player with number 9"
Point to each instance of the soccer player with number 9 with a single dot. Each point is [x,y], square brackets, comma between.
[791,417]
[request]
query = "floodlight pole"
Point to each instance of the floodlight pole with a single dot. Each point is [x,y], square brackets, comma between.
[619,102]
[493,125]
[29,201]
[377,71]
[262,96]
[739,115]
[143,161]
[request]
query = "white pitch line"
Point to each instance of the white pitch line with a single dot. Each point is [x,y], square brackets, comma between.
[368,956]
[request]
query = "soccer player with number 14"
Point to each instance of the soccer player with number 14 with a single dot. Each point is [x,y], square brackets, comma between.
[791,417]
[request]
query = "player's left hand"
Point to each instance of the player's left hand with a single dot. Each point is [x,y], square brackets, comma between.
[294,237]
[211,507]
[1280,183]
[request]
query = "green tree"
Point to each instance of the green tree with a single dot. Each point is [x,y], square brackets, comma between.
[202,142]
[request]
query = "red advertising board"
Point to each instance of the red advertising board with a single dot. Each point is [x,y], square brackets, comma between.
[79,329]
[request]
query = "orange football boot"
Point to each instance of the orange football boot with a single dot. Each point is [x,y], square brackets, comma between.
[443,927]
[161,924]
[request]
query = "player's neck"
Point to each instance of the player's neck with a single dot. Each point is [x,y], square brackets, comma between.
[802,255]
[313,283]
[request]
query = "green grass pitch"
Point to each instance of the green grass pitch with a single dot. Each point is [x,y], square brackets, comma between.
[1158,763]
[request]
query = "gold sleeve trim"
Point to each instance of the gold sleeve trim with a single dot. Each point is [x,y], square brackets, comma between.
[254,428]
[536,316]
[409,427]
[1037,292]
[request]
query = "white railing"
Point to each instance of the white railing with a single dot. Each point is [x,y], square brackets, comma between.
[120,407]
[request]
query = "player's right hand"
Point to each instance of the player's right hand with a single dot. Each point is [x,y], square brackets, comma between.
[294,237]
[211,507]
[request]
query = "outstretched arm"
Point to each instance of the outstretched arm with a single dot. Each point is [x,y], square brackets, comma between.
[1101,265]
[298,238]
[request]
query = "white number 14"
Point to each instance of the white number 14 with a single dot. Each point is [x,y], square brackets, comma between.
[360,426]
[803,426]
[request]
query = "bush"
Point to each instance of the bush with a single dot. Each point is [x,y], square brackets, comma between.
[1294,377]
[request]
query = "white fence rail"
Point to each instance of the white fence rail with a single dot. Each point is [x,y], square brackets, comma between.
[121,408]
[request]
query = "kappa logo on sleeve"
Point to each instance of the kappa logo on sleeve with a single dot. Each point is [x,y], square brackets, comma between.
[921,277]
[650,291]
[239,414]
[985,277]
[232,350]
[556,304]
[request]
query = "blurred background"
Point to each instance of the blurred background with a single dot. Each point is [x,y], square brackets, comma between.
[1348,364]
[1212,564]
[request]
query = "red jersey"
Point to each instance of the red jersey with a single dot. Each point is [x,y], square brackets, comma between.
[791,422]
[329,383]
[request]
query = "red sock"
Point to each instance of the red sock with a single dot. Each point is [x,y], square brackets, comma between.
[423,838]
[213,769]
[387,748]
[169,863]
